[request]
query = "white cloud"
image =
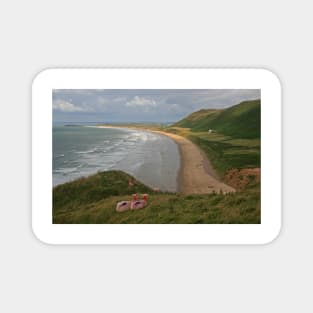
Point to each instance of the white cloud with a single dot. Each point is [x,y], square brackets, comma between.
[174,107]
[102,100]
[66,106]
[138,101]
[120,99]
[145,105]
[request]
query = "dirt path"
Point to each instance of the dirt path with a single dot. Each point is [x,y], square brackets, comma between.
[196,174]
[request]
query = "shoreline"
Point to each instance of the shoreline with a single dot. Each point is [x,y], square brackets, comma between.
[196,174]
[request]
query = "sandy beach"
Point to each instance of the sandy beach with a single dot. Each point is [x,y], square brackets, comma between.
[196,175]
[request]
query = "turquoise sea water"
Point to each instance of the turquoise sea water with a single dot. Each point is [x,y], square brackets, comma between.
[83,150]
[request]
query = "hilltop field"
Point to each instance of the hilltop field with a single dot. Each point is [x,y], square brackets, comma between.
[230,138]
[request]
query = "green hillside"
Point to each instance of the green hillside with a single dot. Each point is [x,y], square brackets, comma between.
[97,187]
[198,120]
[92,200]
[240,121]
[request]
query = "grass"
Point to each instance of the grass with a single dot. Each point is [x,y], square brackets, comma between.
[240,121]
[224,152]
[74,203]
[83,191]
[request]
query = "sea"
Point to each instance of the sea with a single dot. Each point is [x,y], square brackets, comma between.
[82,150]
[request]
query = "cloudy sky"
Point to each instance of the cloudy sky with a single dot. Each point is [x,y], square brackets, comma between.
[97,105]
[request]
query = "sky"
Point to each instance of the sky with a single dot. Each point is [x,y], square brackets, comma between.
[141,105]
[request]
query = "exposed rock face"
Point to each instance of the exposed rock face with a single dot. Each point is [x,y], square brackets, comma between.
[240,178]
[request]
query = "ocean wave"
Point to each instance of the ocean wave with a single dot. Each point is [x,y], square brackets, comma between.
[86,151]
[132,151]
[65,170]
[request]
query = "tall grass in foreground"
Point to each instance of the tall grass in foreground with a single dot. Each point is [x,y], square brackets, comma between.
[93,200]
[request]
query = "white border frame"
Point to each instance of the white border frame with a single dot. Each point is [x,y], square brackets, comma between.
[50,79]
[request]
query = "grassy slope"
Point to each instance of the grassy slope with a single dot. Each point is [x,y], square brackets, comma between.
[93,200]
[199,120]
[240,121]
[96,187]
[224,152]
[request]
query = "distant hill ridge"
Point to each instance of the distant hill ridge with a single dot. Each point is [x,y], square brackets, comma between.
[239,121]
